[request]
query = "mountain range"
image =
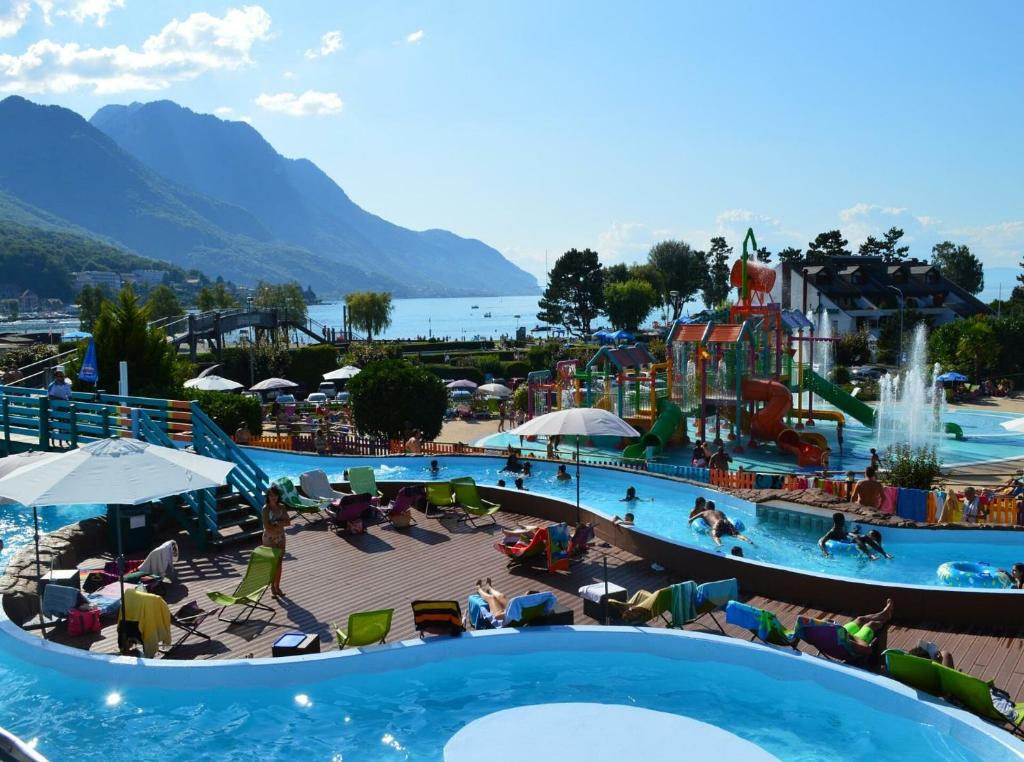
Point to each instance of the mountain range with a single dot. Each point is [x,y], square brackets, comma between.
[213,195]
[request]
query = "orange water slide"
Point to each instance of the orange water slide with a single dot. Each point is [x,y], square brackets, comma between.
[767,424]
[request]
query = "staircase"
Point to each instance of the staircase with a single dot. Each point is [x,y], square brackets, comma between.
[225,515]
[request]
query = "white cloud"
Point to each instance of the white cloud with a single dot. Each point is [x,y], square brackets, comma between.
[13,20]
[415,37]
[330,43]
[181,50]
[309,103]
[287,74]
[246,119]
[223,110]
[79,10]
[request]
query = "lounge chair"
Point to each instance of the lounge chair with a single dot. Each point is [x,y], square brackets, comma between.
[558,542]
[583,535]
[258,576]
[440,496]
[473,506]
[522,610]
[712,596]
[916,671]
[188,618]
[833,642]
[522,552]
[362,482]
[761,624]
[316,485]
[345,514]
[398,512]
[296,502]
[975,695]
[437,618]
[150,613]
[674,604]
[365,628]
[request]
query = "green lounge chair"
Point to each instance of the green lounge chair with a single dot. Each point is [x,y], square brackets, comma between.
[258,576]
[975,695]
[915,671]
[439,495]
[469,500]
[365,628]
[294,501]
[362,482]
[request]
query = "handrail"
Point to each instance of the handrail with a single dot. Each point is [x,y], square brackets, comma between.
[248,478]
[14,749]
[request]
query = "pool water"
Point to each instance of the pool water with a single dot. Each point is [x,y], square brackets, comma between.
[409,714]
[664,507]
[16,527]
[984,440]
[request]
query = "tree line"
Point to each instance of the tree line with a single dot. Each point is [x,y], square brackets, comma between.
[580,288]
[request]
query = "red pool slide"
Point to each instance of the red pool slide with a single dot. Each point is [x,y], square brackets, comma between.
[767,424]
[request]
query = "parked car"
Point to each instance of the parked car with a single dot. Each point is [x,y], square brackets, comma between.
[866,372]
[316,398]
[329,389]
[285,399]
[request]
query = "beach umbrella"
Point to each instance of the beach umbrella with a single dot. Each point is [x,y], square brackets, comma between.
[462,383]
[342,374]
[118,471]
[76,335]
[951,376]
[209,371]
[270,384]
[1017,424]
[577,422]
[494,390]
[212,383]
[622,336]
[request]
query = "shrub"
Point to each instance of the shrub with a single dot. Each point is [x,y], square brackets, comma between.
[360,353]
[853,349]
[840,375]
[489,364]
[308,364]
[449,373]
[910,467]
[515,369]
[229,411]
[542,356]
[392,396]
[520,398]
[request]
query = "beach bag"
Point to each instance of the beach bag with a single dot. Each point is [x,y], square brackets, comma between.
[81,622]
[355,526]
[401,520]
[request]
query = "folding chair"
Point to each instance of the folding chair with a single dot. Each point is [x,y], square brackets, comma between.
[188,618]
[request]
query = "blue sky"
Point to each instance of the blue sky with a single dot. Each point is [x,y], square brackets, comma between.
[541,126]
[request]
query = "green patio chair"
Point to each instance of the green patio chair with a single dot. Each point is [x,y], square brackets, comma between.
[439,495]
[293,501]
[915,671]
[365,628]
[258,576]
[362,482]
[975,695]
[473,506]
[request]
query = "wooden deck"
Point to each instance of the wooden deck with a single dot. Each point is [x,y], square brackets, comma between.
[327,577]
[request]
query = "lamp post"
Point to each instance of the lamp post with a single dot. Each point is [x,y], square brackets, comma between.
[672,296]
[899,358]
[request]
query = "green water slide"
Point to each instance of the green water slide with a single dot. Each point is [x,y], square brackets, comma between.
[669,418]
[828,391]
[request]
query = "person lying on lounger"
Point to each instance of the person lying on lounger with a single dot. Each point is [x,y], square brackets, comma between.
[496,600]
[864,629]
[521,534]
[719,524]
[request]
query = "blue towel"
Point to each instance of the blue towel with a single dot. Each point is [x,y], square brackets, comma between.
[718,593]
[683,597]
[763,481]
[479,613]
[58,600]
[107,604]
[520,602]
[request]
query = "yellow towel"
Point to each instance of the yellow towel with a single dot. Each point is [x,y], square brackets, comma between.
[153,616]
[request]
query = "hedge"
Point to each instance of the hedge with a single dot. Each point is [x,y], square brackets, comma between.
[229,411]
[448,373]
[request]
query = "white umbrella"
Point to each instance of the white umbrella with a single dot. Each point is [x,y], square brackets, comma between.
[494,390]
[1017,424]
[462,383]
[342,373]
[577,422]
[212,383]
[269,384]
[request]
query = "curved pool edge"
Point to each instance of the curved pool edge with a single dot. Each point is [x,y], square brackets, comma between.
[123,673]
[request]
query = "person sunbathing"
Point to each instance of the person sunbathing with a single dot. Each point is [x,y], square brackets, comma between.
[864,629]
[495,600]
[521,534]
[718,524]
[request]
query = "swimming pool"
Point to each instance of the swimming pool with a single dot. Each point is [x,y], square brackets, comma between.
[405,701]
[16,528]
[665,505]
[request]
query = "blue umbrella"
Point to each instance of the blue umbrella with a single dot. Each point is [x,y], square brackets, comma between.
[76,335]
[951,376]
[88,371]
[622,336]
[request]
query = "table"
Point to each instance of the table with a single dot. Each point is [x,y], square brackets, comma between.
[295,644]
[594,599]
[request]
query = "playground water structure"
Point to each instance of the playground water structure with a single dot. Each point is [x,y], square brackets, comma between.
[783,539]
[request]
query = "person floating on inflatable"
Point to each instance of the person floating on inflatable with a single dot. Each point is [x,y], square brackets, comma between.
[719,523]
[839,535]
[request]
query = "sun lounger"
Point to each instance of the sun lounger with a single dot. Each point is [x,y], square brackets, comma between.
[398,512]
[58,600]
[258,576]
[317,486]
[296,502]
[521,552]
[712,596]
[833,641]
[581,539]
[473,506]
[362,481]
[365,628]
[441,497]
[349,513]
[916,671]
[674,604]
[152,616]
[437,618]
[558,547]
[522,611]
[762,625]
[189,618]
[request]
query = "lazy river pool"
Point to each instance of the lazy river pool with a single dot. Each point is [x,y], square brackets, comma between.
[665,504]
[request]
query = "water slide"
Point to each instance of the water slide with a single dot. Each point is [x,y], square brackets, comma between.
[767,425]
[669,418]
[829,392]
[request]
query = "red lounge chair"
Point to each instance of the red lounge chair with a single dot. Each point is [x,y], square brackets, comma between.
[522,552]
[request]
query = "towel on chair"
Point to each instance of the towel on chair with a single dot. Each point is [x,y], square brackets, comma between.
[160,561]
[718,593]
[153,616]
[683,596]
[520,602]
[480,616]
[58,600]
